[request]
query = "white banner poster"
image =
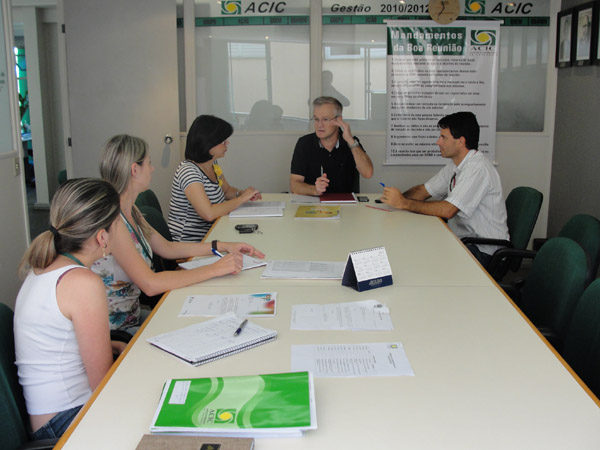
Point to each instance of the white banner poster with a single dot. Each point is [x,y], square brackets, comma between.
[435,70]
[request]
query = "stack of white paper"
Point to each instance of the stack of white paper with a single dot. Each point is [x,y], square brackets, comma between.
[259,209]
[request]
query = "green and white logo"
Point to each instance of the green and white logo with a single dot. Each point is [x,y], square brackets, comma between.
[483,37]
[474,7]
[231,7]
[225,416]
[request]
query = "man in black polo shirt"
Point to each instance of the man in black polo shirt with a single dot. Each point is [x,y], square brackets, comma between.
[331,158]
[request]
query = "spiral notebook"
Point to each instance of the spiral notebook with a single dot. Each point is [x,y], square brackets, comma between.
[213,339]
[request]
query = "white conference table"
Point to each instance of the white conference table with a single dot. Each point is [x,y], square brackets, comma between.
[484,379]
[420,249]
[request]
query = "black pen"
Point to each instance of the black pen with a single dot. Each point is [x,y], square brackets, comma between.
[240,328]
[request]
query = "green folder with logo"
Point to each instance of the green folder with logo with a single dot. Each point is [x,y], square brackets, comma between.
[274,405]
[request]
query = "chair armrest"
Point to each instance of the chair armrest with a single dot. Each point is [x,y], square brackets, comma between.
[42,444]
[512,290]
[486,241]
[503,253]
[552,337]
[120,335]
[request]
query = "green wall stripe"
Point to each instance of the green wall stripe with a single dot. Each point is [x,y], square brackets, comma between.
[348,20]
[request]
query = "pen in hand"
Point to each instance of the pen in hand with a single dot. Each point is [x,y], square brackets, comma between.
[217,253]
[240,328]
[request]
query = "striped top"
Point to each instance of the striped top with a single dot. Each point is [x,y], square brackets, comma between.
[184,222]
[474,188]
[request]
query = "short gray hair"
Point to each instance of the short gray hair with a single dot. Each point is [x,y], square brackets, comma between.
[319,101]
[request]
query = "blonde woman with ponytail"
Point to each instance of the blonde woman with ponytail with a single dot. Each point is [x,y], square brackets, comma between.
[125,162]
[62,341]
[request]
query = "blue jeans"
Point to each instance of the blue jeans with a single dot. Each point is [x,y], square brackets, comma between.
[483,258]
[56,426]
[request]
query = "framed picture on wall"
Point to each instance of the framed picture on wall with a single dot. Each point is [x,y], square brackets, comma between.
[564,39]
[596,35]
[585,34]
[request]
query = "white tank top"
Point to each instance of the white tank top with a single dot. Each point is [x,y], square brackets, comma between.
[50,367]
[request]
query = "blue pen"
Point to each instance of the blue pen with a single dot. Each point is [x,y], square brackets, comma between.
[382,184]
[216,252]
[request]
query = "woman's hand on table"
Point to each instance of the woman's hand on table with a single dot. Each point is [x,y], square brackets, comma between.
[241,247]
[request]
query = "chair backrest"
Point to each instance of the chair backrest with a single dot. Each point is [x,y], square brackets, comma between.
[148,198]
[585,230]
[13,414]
[555,284]
[156,220]
[582,342]
[522,209]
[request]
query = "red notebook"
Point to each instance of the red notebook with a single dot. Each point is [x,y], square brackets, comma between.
[343,197]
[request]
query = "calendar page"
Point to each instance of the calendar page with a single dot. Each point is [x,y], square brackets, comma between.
[371,263]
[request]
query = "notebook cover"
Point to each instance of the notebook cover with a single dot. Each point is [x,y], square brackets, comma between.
[342,197]
[162,442]
[280,403]
[318,212]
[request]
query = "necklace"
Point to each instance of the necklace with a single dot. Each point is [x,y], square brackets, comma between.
[68,255]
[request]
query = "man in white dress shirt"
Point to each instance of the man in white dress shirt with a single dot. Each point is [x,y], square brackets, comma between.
[467,191]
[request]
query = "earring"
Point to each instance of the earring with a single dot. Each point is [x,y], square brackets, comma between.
[104,251]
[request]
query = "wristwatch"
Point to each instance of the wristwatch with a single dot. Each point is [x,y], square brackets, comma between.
[214,245]
[356,144]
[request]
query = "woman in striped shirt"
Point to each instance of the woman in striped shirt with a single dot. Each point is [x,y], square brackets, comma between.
[200,194]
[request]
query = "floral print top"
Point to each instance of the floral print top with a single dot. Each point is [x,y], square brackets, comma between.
[122,294]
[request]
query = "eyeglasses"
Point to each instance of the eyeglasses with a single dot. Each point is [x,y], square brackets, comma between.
[325,120]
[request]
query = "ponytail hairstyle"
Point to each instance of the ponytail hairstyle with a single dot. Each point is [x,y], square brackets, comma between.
[80,208]
[118,154]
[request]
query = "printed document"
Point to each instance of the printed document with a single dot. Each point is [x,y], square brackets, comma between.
[306,270]
[384,359]
[243,305]
[362,315]
[297,198]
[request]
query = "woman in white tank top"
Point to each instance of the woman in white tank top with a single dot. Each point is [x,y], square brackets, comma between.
[62,343]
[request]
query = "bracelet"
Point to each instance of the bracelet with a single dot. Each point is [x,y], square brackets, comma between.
[214,245]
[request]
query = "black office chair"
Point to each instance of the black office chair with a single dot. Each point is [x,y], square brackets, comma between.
[582,342]
[523,206]
[14,420]
[553,287]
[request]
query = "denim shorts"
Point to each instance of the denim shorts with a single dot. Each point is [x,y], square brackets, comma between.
[56,426]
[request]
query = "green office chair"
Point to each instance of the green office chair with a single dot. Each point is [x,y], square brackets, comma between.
[14,421]
[148,198]
[523,206]
[62,177]
[552,288]
[585,230]
[155,218]
[582,342]
[157,221]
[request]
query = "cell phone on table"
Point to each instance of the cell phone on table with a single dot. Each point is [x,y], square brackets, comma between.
[362,198]
[378,201]
[244,228]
